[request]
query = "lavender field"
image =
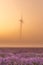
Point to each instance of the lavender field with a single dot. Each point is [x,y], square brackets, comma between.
[21,56]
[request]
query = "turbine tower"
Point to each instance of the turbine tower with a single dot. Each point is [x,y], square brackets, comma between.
[21,22]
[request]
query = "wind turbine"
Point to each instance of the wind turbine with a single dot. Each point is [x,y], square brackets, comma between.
[21,22]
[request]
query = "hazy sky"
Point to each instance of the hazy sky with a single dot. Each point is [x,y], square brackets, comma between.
[10,14]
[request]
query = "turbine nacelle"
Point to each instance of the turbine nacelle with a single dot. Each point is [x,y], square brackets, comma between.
[21,20]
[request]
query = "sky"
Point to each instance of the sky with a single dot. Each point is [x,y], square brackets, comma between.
[32,26]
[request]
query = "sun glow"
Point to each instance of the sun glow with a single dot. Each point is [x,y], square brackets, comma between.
[10,14]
